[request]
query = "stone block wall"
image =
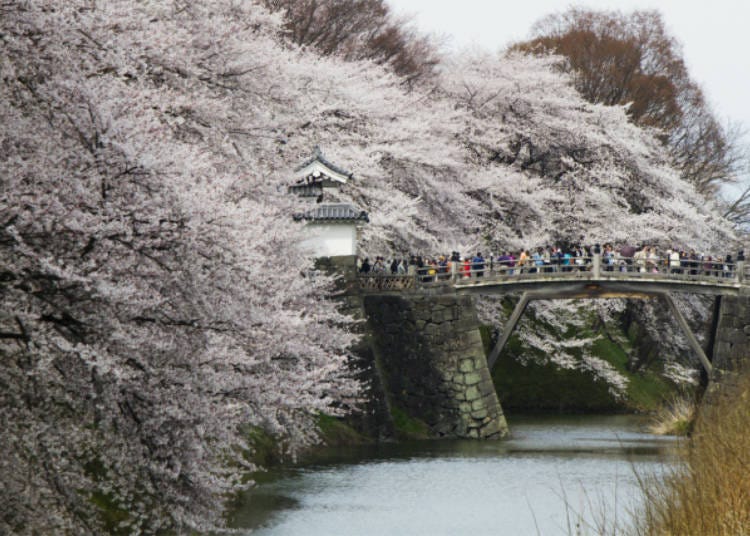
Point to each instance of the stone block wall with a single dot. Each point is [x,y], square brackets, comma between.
[432,363]
[420,354]
[731,351]
[732,338]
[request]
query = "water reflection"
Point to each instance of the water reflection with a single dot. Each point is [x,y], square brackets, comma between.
[554,473]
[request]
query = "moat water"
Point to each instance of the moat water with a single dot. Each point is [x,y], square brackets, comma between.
[560,475]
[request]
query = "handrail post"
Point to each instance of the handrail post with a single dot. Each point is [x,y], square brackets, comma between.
[740,271]
[454,271]
[597,265]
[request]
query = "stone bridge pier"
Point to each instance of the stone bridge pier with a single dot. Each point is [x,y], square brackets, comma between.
[432,364]
[421,356]
[731,348]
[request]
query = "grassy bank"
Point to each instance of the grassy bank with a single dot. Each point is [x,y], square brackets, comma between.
[538,384]
[708,493]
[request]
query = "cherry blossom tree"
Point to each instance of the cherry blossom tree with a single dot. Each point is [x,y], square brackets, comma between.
[506,154]
[153,297]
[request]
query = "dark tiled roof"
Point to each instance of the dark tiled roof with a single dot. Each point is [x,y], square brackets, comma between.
[318,155]
[339,212]
[307,189]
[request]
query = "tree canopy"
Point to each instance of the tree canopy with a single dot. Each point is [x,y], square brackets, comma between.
[630,59]
[359,30]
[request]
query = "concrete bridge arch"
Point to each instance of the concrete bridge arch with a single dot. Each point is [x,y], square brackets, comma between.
[600,293]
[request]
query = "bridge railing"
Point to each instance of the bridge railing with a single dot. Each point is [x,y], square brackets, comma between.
[565,267]
[590,267]
[387,282]
[611,267]
[669,269]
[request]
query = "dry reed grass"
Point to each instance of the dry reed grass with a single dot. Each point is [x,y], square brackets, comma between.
[674,418]
[708,492]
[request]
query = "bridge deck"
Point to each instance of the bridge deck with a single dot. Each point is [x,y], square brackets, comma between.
[586,281]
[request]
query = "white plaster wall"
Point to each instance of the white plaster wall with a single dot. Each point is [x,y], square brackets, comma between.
[332,239]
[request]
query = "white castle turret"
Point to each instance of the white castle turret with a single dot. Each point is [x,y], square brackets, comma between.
[333,227]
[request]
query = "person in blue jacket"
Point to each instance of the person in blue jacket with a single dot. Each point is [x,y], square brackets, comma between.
[477,265]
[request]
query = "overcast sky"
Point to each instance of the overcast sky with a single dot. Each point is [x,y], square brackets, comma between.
[715,35]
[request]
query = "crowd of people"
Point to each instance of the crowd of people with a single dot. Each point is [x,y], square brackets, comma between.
[643,259]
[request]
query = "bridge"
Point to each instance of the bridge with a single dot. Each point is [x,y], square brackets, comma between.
[583,278]
[425,355]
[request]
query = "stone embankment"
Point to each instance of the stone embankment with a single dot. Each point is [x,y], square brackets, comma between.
[432,363]
[731,346]
[420,358]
